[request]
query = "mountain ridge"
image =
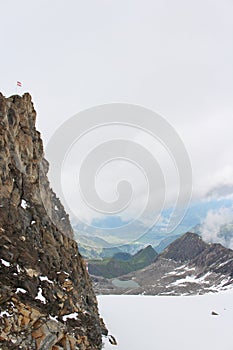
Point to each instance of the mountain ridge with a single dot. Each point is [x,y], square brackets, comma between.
[187,266]
[122,263]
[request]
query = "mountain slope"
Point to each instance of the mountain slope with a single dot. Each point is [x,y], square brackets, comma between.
[187,266]
[185,248]
[122,263]
[46,296]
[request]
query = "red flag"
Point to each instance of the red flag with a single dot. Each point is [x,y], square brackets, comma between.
[19,83]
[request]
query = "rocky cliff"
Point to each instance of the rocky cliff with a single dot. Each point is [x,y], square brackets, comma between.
[46,297]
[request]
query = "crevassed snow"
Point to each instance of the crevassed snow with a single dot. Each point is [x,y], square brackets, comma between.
[74,315]
[5,263]
[40,296]
[169,322]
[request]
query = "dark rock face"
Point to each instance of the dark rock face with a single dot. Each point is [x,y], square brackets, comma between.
[185,248]
[46,297]
[208,257]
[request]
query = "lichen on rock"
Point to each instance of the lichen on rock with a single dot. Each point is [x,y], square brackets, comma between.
[42,275]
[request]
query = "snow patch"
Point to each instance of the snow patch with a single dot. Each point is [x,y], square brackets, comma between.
[45,278]
[187,279]
[225,262]
[73,315]
[5,263]
[5,313]
[23,204]
[20,290]
[40,296]
[53,318]
[188,318]
[66,273]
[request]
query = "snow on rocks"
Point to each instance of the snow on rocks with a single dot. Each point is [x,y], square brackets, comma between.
[5,263]
[45,278]
[20,290]
[40,296]
[23,204]
[73,315]
[5,313]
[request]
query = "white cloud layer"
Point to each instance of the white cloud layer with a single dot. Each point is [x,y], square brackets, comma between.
[218,227]
[174,57]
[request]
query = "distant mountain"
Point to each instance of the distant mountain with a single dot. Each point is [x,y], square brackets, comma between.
[187,266]
[132,249]
[122,263]
[98,239]
[185,248]
[94,247]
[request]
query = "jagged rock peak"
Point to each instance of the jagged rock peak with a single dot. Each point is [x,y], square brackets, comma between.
[187,247]
[46,297]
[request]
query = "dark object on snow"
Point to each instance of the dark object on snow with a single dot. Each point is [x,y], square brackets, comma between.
[214,313]
[112,340]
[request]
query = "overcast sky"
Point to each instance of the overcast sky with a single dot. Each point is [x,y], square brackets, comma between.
[174,57]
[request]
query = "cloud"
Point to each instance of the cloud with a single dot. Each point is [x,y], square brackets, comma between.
[220,190]
[217,227]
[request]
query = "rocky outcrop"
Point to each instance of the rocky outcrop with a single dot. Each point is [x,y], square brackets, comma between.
[46,296]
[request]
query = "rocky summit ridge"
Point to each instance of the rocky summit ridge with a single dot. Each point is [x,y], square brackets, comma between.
[46,296]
